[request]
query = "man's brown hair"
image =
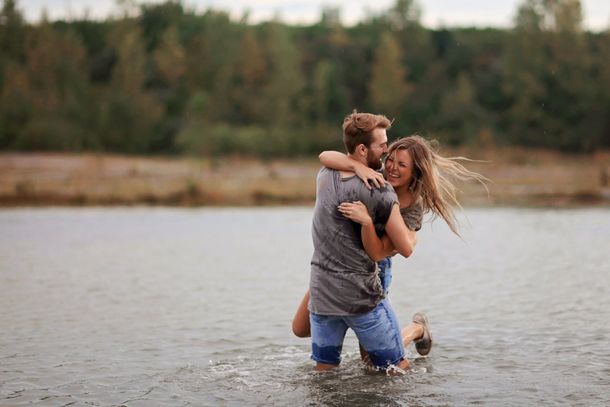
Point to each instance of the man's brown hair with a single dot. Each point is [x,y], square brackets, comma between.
[358,129]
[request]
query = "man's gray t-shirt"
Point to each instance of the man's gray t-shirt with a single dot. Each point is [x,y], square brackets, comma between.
[344,279]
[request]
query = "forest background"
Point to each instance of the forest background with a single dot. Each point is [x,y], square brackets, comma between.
[164,80]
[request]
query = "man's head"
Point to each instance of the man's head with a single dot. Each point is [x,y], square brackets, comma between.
[365,138]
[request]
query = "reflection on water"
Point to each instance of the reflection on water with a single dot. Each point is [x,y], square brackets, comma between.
[149,306]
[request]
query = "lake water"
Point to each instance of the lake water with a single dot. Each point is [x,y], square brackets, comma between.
[160,306]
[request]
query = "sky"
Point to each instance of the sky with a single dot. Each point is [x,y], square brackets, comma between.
[435,13]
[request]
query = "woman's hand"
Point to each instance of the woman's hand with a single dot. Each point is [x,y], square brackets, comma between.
[356,211]
[369,176]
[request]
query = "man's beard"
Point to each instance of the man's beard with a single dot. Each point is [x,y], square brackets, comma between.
[373,162]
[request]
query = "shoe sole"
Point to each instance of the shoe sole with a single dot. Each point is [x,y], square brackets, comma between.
[424,344]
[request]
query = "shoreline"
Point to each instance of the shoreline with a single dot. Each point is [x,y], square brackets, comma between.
[184,201]
[519,177]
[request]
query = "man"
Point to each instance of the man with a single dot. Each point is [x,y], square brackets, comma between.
[345,290]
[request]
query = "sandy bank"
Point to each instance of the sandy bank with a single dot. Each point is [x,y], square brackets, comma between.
[519,177]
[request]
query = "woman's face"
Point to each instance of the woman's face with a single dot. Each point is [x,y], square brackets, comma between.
[399,168]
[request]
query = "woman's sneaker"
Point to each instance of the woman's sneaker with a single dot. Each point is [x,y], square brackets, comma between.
[423,344]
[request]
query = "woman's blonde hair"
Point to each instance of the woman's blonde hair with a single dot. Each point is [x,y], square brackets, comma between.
[434,176]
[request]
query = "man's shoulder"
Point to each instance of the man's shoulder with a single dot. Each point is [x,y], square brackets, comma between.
[327,171]
[380,202]
[326,177]
[324,172]
[386,190]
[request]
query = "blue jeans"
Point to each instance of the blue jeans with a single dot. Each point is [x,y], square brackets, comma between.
[385,274]
[377,330]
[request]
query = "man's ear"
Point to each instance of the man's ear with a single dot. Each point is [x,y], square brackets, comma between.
[361,150]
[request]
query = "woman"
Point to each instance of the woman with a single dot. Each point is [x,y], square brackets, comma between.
[423,181]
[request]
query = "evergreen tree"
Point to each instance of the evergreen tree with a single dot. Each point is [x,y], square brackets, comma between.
[461,118]
[525,67]
[403,14]
[171,91]
[170,58]
[388,88]
[548,70]
[129,114]
[211,56]
[569,84]
[599,131]
[48,98]
[136,82]
[12,46]
[251,75]
[285,80]
[329,95]
[12,32]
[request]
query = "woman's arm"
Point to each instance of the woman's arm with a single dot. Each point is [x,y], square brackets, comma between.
[377,248]
[342,162]
[402,238]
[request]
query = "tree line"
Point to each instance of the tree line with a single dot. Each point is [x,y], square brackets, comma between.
[166,79]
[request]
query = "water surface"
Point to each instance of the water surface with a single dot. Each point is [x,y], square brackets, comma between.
[158,306]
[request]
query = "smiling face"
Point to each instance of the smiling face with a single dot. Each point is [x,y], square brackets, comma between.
[377,148]
[399,169]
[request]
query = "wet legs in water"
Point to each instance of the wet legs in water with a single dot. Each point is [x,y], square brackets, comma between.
[302,328]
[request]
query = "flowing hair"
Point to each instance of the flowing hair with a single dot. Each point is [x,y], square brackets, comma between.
[434,177]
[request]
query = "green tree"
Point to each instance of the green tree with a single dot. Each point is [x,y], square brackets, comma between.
[129,114]
[548,76]
[569,83]
[388,88]
[12,32]
[163,77]
[285,80]
[526,63]
[251,75]
[47,100]
[328,94]
[403,14]
[12,47]
[461,118]
[156,19]
[170,57]
[15,109]
[211,59]
[599,133]
[170,62]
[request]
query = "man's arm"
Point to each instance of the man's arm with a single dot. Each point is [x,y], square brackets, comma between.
[401,237]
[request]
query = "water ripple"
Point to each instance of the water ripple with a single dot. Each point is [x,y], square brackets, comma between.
[141,306]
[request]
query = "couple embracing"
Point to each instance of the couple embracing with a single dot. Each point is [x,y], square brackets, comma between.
[360,220]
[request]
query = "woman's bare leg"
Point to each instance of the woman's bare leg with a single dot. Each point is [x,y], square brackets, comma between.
[300,323]
[418,332]
[411,333]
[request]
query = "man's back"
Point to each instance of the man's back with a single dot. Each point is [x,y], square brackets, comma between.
[343,277]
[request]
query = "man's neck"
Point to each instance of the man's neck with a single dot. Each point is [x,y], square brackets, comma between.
[346,174]
[358,158]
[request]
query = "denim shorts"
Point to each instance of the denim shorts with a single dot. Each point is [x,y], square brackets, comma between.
[377,330]
[385,273]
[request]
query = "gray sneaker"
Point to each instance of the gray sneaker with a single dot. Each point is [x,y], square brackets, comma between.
[423,344]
